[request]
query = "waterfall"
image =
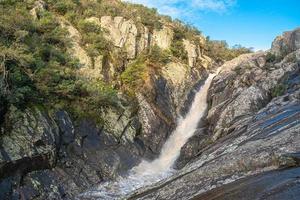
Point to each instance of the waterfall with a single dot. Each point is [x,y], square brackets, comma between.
[147,173]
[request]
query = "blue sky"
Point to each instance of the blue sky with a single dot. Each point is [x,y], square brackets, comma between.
[251,23]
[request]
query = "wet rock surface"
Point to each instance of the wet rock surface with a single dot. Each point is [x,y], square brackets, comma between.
[47,155]
[31,145]
[253,127]
[259,144]
[275,185]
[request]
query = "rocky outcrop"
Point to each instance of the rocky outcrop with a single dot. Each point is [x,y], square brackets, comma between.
[246,83]
[88,68]
[163,38]
[170,96]
[132,39]
[77,51]
[260,142]
[273,185]
[182,79]
[156,126]
[123,33]
[195,53]
[45,156]
[286,43]
[137,38]
[39,6]
[30,145]
[253,127]
[144,38]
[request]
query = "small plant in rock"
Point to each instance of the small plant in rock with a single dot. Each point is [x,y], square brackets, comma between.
[270,57]
[157,55]
[238,69]
[135,75]
[279,90]
[178,50]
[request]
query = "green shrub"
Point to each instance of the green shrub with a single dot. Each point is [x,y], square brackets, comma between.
[135,74]
[159,56]
[270,58]
[238,70]
[93,39]
[185,31]
[62,7]
[33,57]
[150,18]
[279,90]
[178,51]
[220,50]
[88,27]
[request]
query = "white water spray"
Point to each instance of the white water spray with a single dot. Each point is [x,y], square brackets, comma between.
[147,173]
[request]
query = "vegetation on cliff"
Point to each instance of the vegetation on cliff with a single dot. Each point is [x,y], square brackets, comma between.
[220,51]
[37,68]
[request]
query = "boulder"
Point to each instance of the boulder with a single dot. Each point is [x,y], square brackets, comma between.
[30,145]
[195,53]
[123,33]
[163,38]
[286,43]
[39,6]
[76,50]
[263,142]
[243,83]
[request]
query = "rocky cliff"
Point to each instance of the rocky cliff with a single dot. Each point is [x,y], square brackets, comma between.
[47,154]
[252,130]
[143,73]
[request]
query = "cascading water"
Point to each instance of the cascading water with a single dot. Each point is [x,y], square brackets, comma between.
[147,173]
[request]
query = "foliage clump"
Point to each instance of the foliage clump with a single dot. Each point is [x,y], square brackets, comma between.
[35,67]
[93,39]
[279,90]
[177,47]
[76,10]
[137,73]
[27,49]
[220,50]
[270,57]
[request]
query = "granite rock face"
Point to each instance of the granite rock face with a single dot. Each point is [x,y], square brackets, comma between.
[56,157]
[252,127]
[163,38]
[123,33]
[246,85]
[47,157]
[195,53]
[286,43]
[252,124]
[30,145]
[272,185]
[260,142]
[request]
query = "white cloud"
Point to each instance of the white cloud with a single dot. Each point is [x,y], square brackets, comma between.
[180,7]
[213,5]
